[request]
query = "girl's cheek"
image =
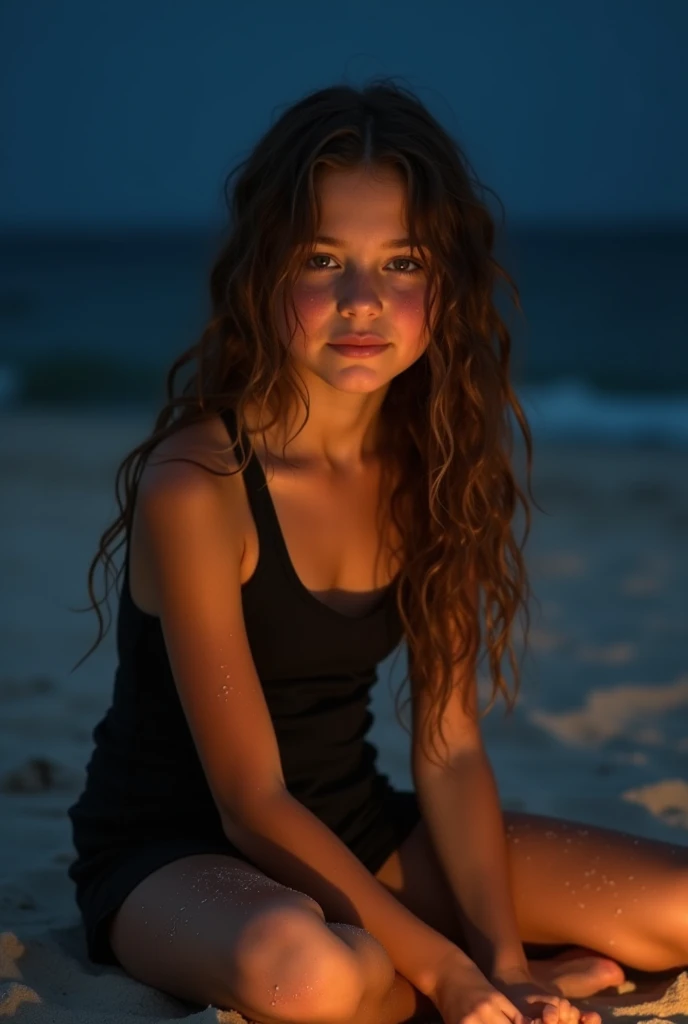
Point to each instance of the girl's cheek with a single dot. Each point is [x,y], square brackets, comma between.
[311,303]
[309,296]
[408,309]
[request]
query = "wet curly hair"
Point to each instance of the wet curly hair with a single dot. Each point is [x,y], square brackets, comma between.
[446,420]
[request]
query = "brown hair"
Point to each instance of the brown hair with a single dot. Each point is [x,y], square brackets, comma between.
[445,419]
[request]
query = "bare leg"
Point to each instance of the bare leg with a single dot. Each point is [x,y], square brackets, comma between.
[623,896]
[210,929]
[618,897]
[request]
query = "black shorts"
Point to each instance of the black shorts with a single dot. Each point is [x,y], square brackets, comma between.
[103,883]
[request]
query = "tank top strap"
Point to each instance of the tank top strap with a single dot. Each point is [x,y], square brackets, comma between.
[260,501]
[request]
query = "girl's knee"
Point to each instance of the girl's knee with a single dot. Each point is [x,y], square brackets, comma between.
[374,963]
[287,964]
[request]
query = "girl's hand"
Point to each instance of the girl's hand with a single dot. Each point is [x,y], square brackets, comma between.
[546,1006]
[463,995]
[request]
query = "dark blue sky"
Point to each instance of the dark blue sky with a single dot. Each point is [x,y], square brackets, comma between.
[131,113]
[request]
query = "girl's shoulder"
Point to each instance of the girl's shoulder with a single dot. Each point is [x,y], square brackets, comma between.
[188,485]
[204,446]
[195,464]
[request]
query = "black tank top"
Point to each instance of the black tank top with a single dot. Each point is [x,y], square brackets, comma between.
[316,666]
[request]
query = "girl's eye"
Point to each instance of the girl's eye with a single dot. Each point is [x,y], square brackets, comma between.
[407,259]
[397,259]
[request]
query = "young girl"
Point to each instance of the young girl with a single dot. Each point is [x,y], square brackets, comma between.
[334,476]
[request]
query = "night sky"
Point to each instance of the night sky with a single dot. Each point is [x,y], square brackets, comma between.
[130,114]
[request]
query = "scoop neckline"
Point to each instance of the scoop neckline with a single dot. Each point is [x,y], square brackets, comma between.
[281,546]
[306,594]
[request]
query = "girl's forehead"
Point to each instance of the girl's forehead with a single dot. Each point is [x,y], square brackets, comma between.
[359,200]
[386,183]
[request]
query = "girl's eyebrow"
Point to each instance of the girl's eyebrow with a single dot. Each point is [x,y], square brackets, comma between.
[394,243]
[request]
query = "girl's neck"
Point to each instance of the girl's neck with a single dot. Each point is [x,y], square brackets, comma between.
[335,438]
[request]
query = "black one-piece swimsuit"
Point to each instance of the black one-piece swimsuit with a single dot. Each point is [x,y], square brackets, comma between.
[146,801]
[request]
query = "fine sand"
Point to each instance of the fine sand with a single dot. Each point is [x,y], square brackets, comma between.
[599,736]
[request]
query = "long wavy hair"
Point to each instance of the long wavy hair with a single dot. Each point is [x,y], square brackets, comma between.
[445,420]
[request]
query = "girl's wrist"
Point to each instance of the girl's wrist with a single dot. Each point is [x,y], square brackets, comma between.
[452,965]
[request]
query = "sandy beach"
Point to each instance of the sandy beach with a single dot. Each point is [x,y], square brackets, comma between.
[600,734]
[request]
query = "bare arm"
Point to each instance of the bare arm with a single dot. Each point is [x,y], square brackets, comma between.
[293,846]
[461,808]
[460,805]
[192,556]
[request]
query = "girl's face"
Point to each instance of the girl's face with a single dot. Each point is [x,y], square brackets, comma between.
[356,281]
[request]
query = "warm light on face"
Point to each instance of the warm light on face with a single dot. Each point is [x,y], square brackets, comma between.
[361,276]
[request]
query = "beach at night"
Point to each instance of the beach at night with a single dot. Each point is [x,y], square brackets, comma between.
[598,736]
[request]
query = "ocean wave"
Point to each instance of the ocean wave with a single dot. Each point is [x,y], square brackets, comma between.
[574,410]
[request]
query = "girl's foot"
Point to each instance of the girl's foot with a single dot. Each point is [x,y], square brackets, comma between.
[578,973]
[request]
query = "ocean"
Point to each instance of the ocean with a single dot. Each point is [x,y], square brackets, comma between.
[601,351]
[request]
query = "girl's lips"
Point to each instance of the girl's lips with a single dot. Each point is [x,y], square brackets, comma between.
[360,351]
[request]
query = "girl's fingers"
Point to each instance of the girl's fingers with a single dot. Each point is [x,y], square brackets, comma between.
[560,1011]
[514,1017]
[568,1014]
[512,1013]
